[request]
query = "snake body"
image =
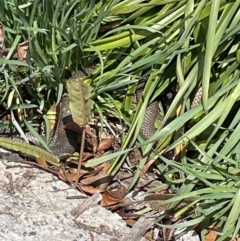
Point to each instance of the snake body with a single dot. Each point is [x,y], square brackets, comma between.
[64,141]
[152,115]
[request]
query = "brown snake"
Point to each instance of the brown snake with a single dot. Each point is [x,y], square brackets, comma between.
[65,141]
[152,114]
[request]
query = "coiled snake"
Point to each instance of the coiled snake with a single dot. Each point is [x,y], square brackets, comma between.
[65,141]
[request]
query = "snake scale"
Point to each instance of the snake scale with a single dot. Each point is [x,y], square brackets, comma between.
[64,141]
[152,114]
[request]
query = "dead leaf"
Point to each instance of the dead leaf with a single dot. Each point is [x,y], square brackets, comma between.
[108,199]
[92,141]
[105,143]
[146,167]
[98,179]
[104,166]
[67,176]
[213,236]
[135,156]
[72,176]
[88,189]
[120,192]
[22,50]
[88,130]
[41,162]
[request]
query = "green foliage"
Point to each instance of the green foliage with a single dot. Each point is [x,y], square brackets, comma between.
[29,150]
[192,43]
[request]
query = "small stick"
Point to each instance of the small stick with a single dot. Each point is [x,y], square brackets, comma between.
[11,187]
[88,203]
[80,156]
